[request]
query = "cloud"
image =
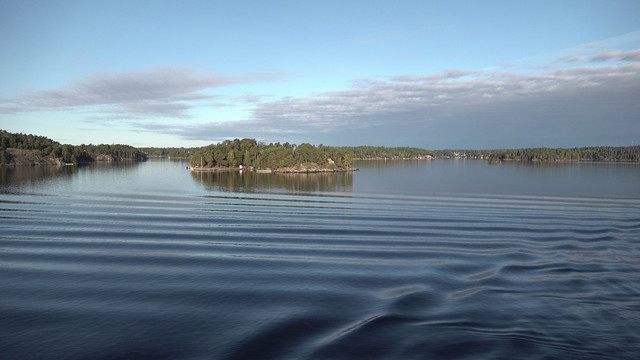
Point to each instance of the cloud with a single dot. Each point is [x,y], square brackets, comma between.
[573,58]
[585,98]
[608,55]
[633,55]
[449,74]
[582,103]
[431,95]
[159,92]
[595,53]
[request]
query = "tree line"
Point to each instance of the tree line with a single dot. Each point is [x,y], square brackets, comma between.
[172,152]
[592,153]
[249,152]
[64,152]
[381,152]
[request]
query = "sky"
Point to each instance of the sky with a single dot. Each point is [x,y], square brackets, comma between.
[431,74]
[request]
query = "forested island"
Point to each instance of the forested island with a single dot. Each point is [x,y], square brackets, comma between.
[592,153]
[23,149]
[597,153]
[393,153]
[276,157]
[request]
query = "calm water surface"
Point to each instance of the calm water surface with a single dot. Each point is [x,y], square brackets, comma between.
[401,260]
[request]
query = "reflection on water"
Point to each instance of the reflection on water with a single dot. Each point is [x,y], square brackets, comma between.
[419,260]
[237,181]
[508,178]
[33,175]
[84,177]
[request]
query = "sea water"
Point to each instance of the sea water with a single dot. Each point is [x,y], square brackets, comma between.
[400,260]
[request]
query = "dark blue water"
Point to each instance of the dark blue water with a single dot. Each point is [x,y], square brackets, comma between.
[401,260]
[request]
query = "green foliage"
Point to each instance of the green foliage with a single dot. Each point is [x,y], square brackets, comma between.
[249,152]
[275,156]
[598,153]
[5,157]
[381,152]
[25,142]
[172,152]
[66,153]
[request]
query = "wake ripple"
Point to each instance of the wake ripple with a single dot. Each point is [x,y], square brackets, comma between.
[302,276]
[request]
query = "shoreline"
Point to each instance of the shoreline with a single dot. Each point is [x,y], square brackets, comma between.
[288,170]
[312,171]
[212,169]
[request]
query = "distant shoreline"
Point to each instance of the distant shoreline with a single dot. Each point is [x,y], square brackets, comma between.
[22,158]
[18,149]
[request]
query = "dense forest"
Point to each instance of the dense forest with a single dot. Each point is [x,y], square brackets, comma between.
[15,143]
[597,153]
[171,152]
[381,152]
[249,152]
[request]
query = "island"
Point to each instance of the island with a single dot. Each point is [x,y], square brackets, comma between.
[494,156]
[365,152]
[589,153]
[248,154]
[22,149]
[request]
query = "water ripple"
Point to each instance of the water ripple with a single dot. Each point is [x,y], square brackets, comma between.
[314,276]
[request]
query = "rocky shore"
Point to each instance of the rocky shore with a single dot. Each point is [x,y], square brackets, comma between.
[20,157]
[296,169]
[312,168]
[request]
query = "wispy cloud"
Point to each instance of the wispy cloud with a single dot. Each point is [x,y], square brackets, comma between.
[607,55]
[618,55]
[573,58]
[585,99]
[435,96]
[631,55]
[590,97]
[160,92]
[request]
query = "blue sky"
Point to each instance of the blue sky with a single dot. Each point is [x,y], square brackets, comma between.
[454,74]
